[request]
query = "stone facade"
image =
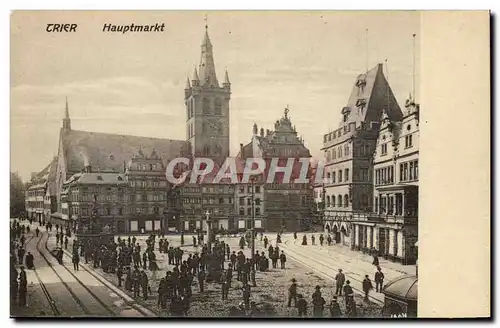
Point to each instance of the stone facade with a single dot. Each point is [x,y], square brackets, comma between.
[288,206]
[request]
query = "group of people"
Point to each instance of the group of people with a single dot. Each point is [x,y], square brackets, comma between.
[318,303]
[18,279]
[322,239]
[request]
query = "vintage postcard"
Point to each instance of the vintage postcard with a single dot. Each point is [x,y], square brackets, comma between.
[217,164]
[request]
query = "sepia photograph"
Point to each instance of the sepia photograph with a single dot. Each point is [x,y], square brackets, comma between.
[215,164]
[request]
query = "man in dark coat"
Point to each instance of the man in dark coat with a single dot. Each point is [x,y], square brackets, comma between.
[339,282]
[144,284]
[201,280]
[30,261]
[76,261]
[23,287]
[348,292]
[379,280]
[282,259]
[367,286]
[292,293]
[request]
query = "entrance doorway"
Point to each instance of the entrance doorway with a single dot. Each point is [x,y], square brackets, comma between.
[382,237]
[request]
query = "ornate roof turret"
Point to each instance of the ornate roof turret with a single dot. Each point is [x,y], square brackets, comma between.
[154,155]
[196,79]
[227,83]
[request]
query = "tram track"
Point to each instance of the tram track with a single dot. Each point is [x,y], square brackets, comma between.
[324,269]
[77,299]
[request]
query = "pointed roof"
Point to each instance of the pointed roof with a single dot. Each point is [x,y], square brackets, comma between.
[195,75]
[188,84]
[226,78]
[66,112]
[207,65]
[371,94]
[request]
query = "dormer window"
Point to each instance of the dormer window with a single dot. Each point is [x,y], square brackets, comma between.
[360,83]
[361,103]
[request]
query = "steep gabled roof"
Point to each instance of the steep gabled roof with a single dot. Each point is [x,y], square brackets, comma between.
[105,151]
[371,94]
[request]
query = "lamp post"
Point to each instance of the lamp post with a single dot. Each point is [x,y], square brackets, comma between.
[209,233]
[252,181]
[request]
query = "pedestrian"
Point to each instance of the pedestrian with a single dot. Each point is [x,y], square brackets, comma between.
[66,242]
[201,280]
[225,288]
[339,282]
[246,296]
[144,260]
[335,311]
[375,258]
[282,259]
[266,241]
[321,239]
[313,239]
[351,310]
[304,240]
[76,261]
[367,286]
[295,235]
[348,292]
[30,261]
[144,284]
[119,274]
[379,280]
[318,306]
[23,287]
[301,305]
[37,231]
[194,241]
[292,293]
[136,278]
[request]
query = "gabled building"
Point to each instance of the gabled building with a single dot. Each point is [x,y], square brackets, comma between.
[287,205]
[395,230]
[40,194]
[349,152]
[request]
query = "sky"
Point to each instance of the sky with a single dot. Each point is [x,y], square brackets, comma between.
[134,83]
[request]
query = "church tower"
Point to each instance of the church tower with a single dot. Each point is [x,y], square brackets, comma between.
[207,108]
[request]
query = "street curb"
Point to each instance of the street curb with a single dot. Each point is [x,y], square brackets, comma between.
[115,289]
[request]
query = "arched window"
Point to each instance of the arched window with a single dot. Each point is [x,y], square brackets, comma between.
[218,106]
[334,154]
[333,200]
[327,201]
[346,150]
[206,106]
[192,107]
[189,109]
[339,201]
[346,200]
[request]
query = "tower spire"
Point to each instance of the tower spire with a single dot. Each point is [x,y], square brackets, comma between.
[66,119]
[413,76]
[387,89]
[207,66]
[366,50]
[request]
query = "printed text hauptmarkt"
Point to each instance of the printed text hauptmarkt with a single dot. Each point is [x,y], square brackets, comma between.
[133,28]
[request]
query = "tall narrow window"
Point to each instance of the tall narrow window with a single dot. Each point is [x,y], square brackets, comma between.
[206,106]
[218,107]
[340,175]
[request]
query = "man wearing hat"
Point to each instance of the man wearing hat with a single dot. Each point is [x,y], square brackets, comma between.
[379,279]
[339,281]
[292,293]
[335,308]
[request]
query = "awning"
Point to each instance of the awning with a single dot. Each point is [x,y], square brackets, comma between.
[56,215]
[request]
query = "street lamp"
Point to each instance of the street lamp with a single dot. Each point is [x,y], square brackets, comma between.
[252,181]
[209,235]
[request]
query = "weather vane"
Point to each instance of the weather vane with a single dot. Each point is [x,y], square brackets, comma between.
[206,21]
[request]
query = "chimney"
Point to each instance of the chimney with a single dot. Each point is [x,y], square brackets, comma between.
[241,150]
